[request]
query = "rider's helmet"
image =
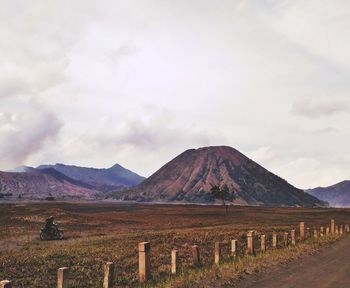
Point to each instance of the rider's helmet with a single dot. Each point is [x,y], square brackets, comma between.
[51,218]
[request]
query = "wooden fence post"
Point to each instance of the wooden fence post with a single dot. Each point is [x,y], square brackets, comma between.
[315,233]
[336,229]
[217,253]
[108,275]
[308,233]
[274,240]
[144,261]
[332,226]
[292,236]
[347,228]
[327,230]
[174,262]
[250,243]
[63,277]
[234,248]
[196,256]
[6,284]
[321,231]
[302,231]
[285,239]
[341,230]
[263,243]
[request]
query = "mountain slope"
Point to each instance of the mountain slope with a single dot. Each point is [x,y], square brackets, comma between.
[337,195]
[114,178]
[61,177]
[190,176]
[42,184]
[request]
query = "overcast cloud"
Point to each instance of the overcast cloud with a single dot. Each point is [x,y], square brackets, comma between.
[136,82]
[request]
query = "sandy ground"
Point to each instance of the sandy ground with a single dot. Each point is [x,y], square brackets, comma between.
[328,268]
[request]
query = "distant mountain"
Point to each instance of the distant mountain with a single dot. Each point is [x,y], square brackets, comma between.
[110,179]
[337,195]
[61,177]
[190,176]
[43,184]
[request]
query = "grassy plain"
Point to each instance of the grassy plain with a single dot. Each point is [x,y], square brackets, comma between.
[100,232]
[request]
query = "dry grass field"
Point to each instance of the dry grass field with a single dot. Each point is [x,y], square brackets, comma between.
[100,232]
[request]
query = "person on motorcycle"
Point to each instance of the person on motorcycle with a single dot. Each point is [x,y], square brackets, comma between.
[50,231]
[50,225]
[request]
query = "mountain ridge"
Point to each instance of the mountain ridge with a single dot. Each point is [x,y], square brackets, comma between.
[338,195]
[102,179]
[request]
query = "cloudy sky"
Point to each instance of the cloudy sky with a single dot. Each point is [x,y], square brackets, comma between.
[93,83]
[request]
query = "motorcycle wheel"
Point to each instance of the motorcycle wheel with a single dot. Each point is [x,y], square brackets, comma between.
[60,235]
[43,236]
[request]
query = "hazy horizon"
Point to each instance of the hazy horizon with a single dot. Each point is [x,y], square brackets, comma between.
[93,83]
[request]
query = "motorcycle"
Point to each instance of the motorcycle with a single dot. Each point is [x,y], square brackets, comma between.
[51,234]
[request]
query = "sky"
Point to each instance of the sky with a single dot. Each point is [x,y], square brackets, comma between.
[94,83]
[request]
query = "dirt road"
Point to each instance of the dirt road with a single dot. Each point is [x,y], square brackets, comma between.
[328,268]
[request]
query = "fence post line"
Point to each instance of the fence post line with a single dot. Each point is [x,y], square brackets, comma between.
[144,261]
[292,236]
[196,256]
[250,243]
[217,253]
[5,284]
[263,243]
[274,240]
[234,248]
[108,275]
[62,277]
[332,226]
[174,261]
[302,231]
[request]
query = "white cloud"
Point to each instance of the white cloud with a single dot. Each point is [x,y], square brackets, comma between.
[262,154]
[310,173]
[318,107]
[24,134]
[12,87]
[319,27]
[326,130]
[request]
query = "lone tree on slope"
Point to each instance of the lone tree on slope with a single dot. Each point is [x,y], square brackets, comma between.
[222,193]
